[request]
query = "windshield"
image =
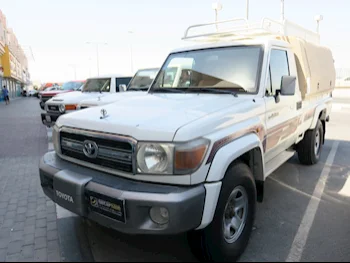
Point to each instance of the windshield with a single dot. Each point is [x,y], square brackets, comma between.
[51,89]
[143,79]
[229,68]
[97,85]
[81,88]
[72,85]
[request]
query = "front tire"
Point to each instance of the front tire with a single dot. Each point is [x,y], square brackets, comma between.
[309,149]
[226,238]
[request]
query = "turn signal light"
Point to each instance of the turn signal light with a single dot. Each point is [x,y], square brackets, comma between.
[71,107]
[189,159]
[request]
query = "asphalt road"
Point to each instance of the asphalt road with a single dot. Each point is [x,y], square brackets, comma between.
[304,217]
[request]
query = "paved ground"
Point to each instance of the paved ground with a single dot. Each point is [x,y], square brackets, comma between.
[28,229]
[304,217]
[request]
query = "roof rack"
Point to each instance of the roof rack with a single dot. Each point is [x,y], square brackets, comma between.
[241,28]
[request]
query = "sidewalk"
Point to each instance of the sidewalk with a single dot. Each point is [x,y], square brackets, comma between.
[28,227]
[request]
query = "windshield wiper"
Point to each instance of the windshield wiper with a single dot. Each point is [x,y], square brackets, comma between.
[169,90]
[212,90]
[137,89]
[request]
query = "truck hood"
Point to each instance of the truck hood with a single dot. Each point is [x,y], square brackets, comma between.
[111,98]
[152,117]
[54,92]
[75,97]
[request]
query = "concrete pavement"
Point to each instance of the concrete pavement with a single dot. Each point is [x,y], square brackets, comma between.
[28,229]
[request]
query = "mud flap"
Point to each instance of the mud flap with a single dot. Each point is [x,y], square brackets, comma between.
[68,190]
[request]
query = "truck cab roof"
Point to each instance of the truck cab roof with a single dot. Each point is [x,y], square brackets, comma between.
[110,76]
[263,41]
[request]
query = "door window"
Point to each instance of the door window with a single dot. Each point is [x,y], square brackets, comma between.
[278,68]
[120,81]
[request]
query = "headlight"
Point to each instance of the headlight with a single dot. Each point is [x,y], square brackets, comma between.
[155,158]
[183,158]
[56,139]
[62,108]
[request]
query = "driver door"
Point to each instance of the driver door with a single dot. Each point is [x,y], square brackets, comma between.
[281,116]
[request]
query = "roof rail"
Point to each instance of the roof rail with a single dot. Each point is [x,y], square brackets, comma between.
[241,28]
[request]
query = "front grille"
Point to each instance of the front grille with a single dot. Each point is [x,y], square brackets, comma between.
[113,152]
[46,98]
[53,108]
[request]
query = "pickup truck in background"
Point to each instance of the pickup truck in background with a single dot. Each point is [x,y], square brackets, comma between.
[192,155]
[93,88]
[49,93]
[139,84]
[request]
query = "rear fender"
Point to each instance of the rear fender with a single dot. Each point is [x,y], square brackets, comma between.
[321,112]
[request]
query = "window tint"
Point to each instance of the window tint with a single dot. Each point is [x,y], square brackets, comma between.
[96,85]
[120,81]
[279,67]
[107,86]
[143,79]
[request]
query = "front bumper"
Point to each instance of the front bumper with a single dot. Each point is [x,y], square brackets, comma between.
[43,100]
[42,104]
[49,118]
[75,188]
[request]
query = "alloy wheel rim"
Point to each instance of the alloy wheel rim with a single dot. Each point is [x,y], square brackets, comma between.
[235,214]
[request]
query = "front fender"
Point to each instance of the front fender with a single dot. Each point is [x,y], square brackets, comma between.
[222,159]
[230,152]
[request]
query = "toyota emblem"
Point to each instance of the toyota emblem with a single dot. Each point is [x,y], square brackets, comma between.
[90,149]
[103,114]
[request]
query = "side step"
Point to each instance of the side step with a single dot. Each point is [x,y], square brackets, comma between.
[276,162]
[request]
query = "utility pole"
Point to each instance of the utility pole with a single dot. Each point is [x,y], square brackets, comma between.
[247,10]
[75,70]
[217,6]
[318,19]
[131,55]
[97,54]
[90,67]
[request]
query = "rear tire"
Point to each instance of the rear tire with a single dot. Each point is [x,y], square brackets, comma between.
[226,238]
[309,149]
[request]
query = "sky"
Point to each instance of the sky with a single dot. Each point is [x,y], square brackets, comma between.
[58,31]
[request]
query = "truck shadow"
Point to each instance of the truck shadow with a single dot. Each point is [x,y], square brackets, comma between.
[109,245]
[288,192]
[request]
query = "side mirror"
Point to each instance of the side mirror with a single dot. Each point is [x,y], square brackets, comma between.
[122,87]
[287,87]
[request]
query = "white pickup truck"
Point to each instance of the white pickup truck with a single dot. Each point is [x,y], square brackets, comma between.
[138,86]
[193,156]
[93,88]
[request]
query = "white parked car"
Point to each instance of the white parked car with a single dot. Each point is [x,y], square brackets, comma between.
[138,86]
[192,154]
[93,88]
[32,92]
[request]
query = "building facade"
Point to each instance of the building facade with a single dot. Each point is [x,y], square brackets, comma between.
[14,72]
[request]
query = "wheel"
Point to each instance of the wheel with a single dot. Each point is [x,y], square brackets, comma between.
[226,238]
[309,149]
